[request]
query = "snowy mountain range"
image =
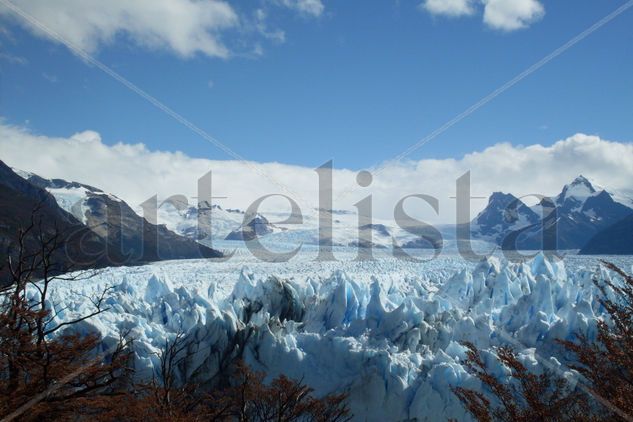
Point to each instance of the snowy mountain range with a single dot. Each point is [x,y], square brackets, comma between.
[205,222]
[566,222]
[24,205]
[105,229]
[236,225]
[504,213]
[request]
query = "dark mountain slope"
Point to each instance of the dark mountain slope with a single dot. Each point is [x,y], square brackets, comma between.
[113,219]
[503,215]
[581,211]
[614,240]
[22,204]
[110,234]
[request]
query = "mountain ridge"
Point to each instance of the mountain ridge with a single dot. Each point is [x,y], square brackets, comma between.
[570,219]
[111,218]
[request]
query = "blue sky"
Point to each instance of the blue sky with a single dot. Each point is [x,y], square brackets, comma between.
[358,82]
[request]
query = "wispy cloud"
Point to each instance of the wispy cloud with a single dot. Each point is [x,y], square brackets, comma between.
[50,77]
[12,59]
[260,24]
[312,8]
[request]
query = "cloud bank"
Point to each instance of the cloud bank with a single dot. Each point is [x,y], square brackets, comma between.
[503,15]
[135,173]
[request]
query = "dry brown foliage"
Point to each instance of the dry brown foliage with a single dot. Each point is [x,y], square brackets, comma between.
[607,364]
[248,399]
[605,367]
[46,371]
[527,397]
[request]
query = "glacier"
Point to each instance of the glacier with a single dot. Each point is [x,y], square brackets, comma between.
[387,331]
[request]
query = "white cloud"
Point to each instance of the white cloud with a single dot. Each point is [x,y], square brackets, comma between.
[261,26]
[210,84]
[510,15]
[312,8]
[184,27]
[503,15]
[50,77]
[451,8]
[12,59]
[135,173]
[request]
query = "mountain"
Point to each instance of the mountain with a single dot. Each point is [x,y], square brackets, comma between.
[113,219]
[581,199]
[22,203]
[202,221]
[373,235]
[228,224]
[580,211]
[614,240]
[572,218]
[504,214]
[379,229]
[256,227]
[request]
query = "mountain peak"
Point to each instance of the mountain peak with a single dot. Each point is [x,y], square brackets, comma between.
[581,180]
[501,197]
[578,191]
[504,213]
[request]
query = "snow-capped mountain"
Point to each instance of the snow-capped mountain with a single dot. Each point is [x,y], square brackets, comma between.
[20,202]
[344,232]
[584,210]
[215,222]
[582,199]
[577,213]
[587,199]
[234,224]
[71,196]
[623,196]
[200,222]
[257,226]
[113,219]
[504,214]
[566,221]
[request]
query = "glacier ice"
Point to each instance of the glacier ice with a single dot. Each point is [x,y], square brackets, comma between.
[388,331]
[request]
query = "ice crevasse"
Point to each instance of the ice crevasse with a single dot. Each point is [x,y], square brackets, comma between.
[394,345]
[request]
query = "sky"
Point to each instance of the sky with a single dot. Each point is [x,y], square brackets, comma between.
[300,82]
